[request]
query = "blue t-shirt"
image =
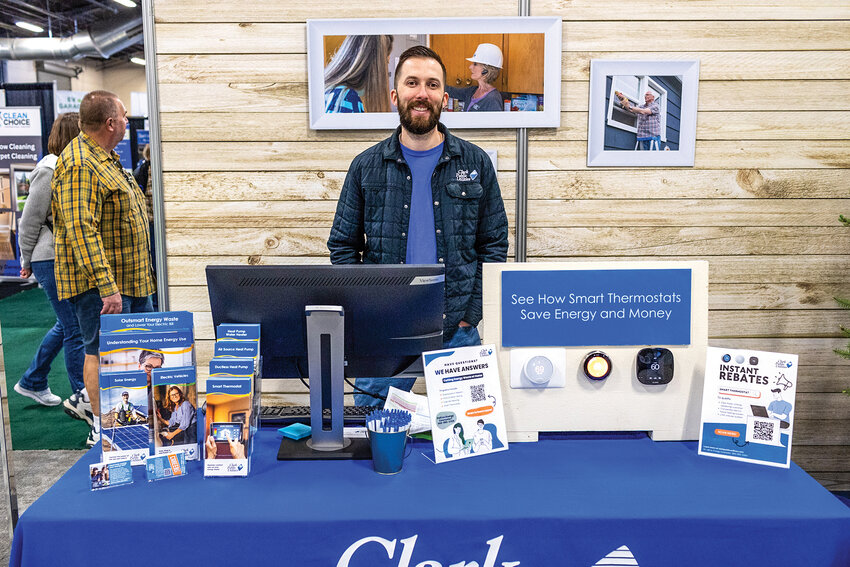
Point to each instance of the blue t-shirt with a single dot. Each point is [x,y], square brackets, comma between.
[421,238]
[780,407]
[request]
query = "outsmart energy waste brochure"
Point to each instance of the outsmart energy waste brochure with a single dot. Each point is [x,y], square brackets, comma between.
[748,406]
[132,346]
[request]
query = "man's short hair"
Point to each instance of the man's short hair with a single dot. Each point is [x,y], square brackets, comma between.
[421,52]
[776,390]
[96,108]
[146,354]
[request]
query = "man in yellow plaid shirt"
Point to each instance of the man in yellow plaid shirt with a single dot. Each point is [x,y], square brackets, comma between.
[102,241]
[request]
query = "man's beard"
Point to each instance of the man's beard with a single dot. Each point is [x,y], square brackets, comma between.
[421,124]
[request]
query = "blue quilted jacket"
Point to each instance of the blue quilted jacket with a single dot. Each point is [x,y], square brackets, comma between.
[373,214]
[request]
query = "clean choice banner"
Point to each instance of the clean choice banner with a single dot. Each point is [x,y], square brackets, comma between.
[20,135]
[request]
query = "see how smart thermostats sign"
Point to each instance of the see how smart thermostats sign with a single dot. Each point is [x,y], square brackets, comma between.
[465,402]
[568,308]
[748,406]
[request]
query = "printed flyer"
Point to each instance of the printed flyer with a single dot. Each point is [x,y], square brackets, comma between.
[124,416]
[465,402]
[175,417]
[748,406]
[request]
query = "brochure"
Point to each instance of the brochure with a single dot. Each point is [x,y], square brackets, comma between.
[748,406]
[154,321]
[142,342]
[110,475]
[232,367]
[235,348]
[229,426]
[465,402]
[175,419]
[238,331]
[124,416]
[172,465]
[415,404]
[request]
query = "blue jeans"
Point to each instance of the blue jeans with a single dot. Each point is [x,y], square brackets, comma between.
[464,336]
[88,306]
[65,333]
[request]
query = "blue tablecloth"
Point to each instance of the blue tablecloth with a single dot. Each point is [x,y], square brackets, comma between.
[560,502]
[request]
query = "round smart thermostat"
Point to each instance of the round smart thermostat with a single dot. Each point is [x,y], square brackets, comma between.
[597,365]
[538,369]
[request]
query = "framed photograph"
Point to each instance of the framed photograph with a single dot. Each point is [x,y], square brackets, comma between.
[642,113]
[5,190]
[21,184]
[517,61]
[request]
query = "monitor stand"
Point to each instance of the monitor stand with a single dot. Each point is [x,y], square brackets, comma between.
[326,360]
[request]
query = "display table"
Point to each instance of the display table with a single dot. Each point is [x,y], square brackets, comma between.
[555,502]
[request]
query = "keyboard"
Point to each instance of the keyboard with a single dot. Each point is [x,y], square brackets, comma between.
[286,415]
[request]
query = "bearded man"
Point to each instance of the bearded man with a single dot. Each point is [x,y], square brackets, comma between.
[423,196]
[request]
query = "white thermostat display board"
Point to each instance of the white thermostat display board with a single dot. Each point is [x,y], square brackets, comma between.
[608,321]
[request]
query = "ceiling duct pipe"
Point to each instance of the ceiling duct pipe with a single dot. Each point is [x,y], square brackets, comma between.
[100,40]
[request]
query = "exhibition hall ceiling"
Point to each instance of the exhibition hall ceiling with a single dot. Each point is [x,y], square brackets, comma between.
[64,18]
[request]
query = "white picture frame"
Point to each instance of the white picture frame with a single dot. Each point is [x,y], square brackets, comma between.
[604,125]
[551,27]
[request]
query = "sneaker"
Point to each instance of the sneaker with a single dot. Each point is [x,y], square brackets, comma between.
[77,407]
[44,397]
[93,438]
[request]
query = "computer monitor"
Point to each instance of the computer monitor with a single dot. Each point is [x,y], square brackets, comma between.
[392,312]
[324,322]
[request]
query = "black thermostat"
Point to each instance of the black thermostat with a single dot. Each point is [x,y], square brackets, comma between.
[654,366]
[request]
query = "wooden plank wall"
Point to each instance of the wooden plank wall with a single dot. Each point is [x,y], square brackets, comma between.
[246,181]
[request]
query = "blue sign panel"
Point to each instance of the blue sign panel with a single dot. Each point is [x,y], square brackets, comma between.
[123,151]
[143,138]
[596,307]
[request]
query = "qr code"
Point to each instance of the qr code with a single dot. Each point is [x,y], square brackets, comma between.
[477,393]
[763,430]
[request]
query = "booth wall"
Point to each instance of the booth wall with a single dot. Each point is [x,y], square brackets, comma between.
[247,182]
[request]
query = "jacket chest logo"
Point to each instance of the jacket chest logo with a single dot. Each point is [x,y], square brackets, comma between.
[465,175]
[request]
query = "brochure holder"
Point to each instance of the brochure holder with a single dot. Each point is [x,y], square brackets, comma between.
[326,360]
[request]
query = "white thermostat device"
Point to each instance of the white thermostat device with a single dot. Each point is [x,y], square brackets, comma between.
[538,367]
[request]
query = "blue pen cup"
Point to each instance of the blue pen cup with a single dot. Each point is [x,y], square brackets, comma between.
[388,451]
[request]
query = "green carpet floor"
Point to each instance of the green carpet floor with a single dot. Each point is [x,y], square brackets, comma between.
[24,319]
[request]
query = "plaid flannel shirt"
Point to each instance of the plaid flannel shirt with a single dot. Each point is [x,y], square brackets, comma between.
[100,226]
[649,125]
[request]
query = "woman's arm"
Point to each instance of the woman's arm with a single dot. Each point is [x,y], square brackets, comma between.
[36,210]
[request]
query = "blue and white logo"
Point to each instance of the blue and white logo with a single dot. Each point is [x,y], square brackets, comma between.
[473,175]
[620,556]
